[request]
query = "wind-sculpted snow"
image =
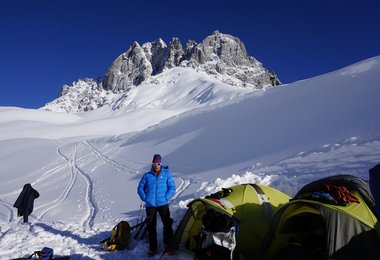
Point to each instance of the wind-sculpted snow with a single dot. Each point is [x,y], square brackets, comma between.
[87,166]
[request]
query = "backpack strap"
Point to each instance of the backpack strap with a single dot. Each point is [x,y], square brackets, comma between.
[263,200]
[32,255]
[113,231]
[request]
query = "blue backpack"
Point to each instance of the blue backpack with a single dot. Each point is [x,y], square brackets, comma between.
[45,254]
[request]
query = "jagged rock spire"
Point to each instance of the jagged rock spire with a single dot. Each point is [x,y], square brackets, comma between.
[130,68]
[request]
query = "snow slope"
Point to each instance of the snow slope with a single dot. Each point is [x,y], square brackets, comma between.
[163,96]
[86,166]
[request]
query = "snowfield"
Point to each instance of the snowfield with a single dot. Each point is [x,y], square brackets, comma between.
[86,166]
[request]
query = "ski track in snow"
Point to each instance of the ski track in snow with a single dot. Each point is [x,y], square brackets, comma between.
[9,208]
[4,233]
[118,166]
[75,170]
[50,173]
[46,175]
[65,193]
[42,177]
[185,183]
[90,198]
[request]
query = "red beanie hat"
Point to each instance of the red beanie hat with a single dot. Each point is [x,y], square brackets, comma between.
[156,158]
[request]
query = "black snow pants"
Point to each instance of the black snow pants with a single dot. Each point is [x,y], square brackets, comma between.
[151,213]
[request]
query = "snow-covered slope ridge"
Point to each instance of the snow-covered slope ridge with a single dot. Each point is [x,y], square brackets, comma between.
[223,57]
[328,112]
[163,96]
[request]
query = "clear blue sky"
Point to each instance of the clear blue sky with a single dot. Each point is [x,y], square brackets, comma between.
[45,44]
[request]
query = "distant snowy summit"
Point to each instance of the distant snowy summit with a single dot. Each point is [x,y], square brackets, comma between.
[221,56]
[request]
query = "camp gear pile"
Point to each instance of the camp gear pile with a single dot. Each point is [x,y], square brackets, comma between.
[230,222]
[331,218]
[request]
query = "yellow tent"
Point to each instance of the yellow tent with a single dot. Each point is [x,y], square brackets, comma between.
[317,225]
[250,208]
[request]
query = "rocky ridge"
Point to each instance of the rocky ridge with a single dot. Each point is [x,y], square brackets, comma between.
[220,55]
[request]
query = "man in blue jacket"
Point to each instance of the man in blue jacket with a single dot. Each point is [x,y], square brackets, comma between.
[156,187]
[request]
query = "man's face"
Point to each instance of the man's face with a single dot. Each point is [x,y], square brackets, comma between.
[157,167]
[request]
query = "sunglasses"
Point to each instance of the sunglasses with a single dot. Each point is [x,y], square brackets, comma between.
[158,164]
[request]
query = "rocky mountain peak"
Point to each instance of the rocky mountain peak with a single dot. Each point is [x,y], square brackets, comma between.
[222,56]
[217,54]
[227,48]
[130,68]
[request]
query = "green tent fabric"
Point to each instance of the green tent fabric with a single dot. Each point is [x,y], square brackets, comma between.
[251,205]
[314,229]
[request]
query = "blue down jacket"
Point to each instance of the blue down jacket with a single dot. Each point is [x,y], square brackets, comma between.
[155,190]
